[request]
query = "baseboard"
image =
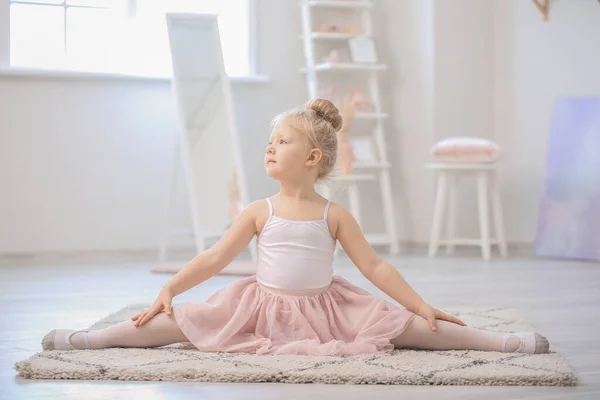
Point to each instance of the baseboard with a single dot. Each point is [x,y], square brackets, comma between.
[189,252]
[422,249]
[95,256]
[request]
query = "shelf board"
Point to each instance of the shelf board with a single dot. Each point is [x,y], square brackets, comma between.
[373,165]
[335,35]
[349,67]
[354,178]
[338,3]
[377,238]
[370,115]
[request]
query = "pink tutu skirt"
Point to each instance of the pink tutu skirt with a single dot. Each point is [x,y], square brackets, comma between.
[248,317]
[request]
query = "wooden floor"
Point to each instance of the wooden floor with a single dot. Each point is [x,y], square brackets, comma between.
[561,298]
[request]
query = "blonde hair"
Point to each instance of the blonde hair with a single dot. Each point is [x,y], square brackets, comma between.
[320,121]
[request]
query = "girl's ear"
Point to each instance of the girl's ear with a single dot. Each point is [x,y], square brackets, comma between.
[314,157]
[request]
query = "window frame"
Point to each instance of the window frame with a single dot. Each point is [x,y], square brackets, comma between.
[6,69]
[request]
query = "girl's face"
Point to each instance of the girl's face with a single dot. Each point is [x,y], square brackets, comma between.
[288,154]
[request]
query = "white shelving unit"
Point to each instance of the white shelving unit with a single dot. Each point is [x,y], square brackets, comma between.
[368,73]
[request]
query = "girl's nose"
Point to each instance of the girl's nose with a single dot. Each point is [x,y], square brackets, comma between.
[270,149]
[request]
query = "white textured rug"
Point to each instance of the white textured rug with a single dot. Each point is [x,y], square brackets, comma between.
[406,367]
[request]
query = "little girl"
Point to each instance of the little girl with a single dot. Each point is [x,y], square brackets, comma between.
[294,304]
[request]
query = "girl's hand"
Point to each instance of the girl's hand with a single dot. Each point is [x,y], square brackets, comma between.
[163,302]
[431,314]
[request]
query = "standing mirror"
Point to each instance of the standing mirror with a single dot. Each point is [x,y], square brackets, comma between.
[210,147]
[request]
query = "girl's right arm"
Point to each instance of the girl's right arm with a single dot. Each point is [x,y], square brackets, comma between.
[215,259]
[209,262]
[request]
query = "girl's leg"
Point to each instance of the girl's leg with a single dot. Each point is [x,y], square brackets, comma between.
[450,336]
[159,331]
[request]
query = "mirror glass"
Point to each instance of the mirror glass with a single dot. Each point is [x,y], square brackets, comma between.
[210,145]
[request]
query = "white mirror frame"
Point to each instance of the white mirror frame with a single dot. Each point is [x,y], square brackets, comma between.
[219,176]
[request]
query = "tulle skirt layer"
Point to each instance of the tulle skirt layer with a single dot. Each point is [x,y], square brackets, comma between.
[341,319]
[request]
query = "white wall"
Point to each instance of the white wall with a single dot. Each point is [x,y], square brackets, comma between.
[461,67]
[406,28]
[537,62]
[84,163]
[463,64]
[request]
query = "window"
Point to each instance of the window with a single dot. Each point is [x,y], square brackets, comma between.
[118,36]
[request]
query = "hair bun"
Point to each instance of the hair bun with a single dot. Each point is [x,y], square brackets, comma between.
[326,110]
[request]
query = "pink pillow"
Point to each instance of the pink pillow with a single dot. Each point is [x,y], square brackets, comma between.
[466,149]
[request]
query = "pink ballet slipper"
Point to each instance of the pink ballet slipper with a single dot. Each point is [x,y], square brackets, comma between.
[60,339]
[530,343]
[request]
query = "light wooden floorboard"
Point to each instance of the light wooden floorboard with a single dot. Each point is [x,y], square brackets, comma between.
[561,298]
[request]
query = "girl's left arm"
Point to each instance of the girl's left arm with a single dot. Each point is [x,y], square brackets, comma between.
[381,273]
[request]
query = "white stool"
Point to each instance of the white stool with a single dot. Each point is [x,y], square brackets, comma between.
[487,189]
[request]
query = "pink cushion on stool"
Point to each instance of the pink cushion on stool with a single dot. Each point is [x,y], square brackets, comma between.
[466,149]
